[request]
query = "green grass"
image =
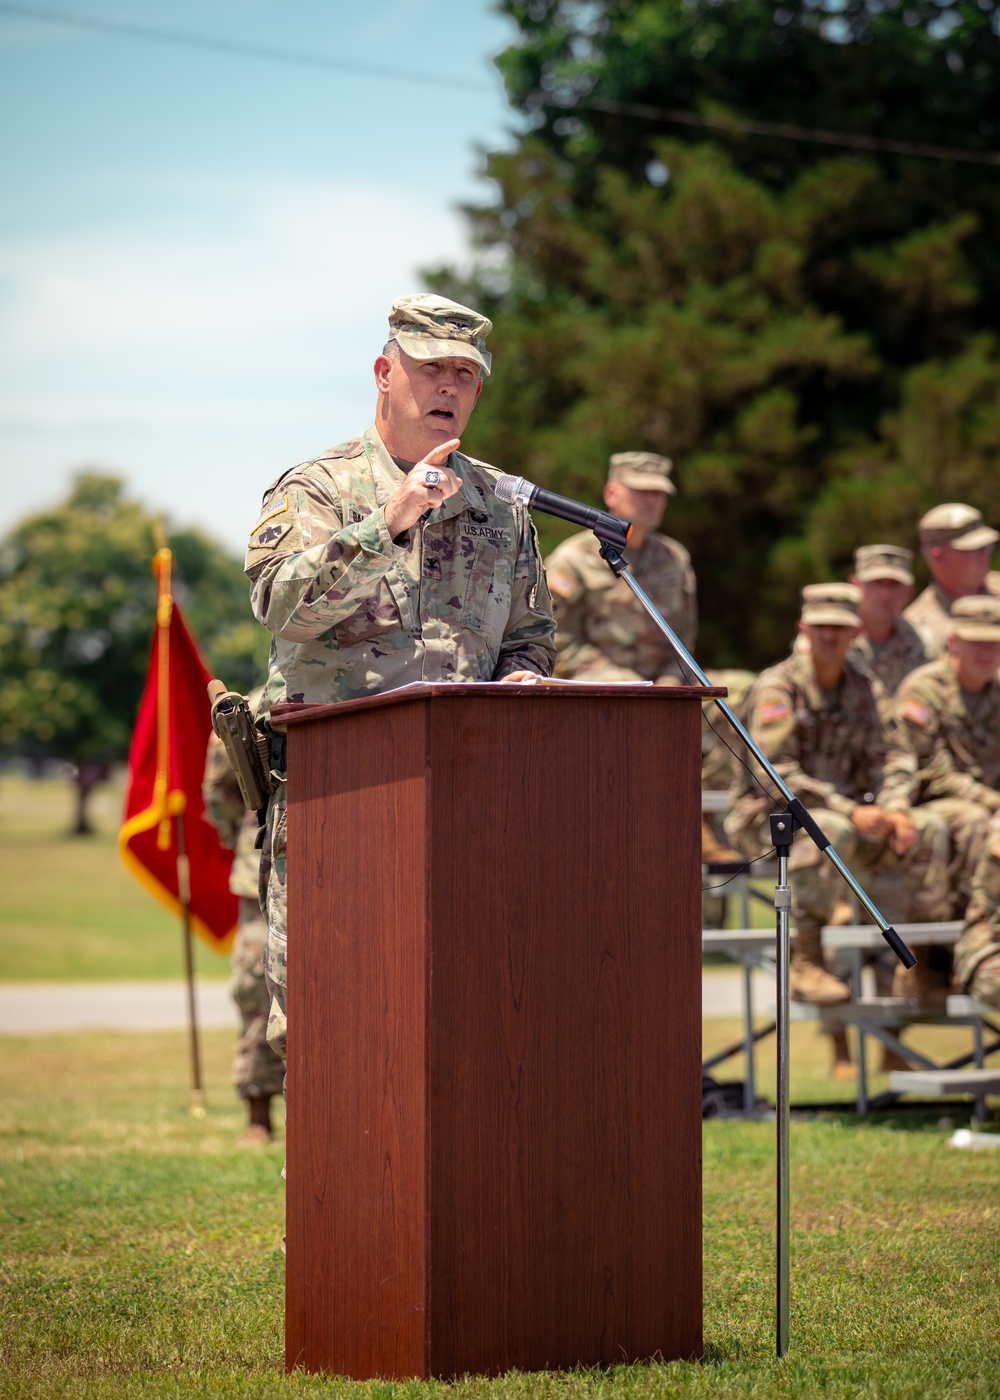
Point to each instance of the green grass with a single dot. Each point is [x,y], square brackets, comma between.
[72,912]
[139,1249]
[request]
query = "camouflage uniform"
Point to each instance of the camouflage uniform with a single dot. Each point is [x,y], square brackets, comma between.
[719,765]
[830,748]
[603,631]
[961,527]
[257,1072]
[951,762]
[930,616]
[459,597]
[890,661]
[977,952]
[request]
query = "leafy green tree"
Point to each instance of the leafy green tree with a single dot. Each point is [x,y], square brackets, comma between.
[809,331]
[77,609]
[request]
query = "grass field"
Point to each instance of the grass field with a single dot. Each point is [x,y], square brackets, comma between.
[71,910]
[140,1253]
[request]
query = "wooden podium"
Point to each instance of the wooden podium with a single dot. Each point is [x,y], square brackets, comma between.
[494,1051]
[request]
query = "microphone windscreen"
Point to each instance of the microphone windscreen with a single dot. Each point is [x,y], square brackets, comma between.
[508,488]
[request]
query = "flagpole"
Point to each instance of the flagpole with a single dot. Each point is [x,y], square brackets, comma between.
[164,614]
[197,1104]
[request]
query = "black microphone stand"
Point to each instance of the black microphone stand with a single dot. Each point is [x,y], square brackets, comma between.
[783,827]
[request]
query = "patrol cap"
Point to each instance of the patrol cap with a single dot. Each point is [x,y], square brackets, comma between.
[976,618]
[642,471]
[831,605]
[874,561]
[956,525]
[429,327]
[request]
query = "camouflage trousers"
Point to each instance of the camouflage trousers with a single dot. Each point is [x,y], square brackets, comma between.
[977,952]
[967,824]
[274,904]
[914,886]
[257,1072]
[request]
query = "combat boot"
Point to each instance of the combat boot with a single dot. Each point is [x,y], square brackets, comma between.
[713,852]
[258,1131]
[808,979]
[843,1068]
[928,982]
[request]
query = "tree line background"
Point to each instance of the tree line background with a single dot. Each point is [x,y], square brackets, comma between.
[809,329]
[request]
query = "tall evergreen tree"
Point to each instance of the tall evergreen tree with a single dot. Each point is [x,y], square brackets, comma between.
[808,328]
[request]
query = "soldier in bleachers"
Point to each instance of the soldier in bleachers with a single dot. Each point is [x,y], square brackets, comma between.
[888,645]
[816,717]
[977,952]
[950,712]
[957,546]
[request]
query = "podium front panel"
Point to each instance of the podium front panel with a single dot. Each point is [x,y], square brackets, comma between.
[494,1091]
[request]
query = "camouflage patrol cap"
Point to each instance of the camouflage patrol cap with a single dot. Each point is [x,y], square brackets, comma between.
[642,471]
[976,618]
[831,605]
[430,327]
[875,561]
[956,525]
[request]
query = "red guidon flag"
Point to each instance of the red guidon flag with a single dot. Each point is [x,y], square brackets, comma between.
[165,840]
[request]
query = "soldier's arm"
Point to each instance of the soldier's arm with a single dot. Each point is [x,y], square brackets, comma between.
[900,774]
[577,655]
[944,778]
[528,641]
[687,623]
[774,726]
[938,772]
[221,795]
[307,569]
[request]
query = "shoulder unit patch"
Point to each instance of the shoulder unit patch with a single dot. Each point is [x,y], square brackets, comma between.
[274,508]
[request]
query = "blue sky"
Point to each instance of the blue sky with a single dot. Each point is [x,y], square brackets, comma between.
[198,250]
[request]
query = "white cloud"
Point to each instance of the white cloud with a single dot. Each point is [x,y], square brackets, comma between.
[285,261]
[181,353]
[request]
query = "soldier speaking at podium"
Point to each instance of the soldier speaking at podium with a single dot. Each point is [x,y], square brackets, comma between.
[389,559]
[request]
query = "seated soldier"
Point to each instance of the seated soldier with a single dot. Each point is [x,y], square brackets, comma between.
[950,711]
[890,647]
[977,952]
[816,717]
[957,546]
[603,633]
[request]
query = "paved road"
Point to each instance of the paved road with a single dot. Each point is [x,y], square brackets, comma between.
[31,1008]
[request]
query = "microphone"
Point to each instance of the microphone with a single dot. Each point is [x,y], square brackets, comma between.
[609,529]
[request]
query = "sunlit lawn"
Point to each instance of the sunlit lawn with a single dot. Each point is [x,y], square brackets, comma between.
[139,1252]
[71,910]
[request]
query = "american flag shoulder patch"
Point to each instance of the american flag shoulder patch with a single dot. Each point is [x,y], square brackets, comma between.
[774,710]
[916,713]
[562,584]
